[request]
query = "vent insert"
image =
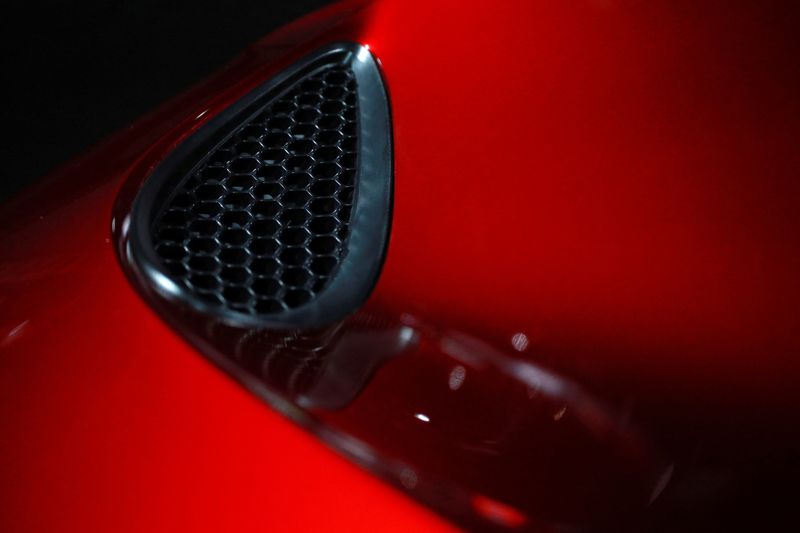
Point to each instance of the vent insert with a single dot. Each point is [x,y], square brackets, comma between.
[276,213]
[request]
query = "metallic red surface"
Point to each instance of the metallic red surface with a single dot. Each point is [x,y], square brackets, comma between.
[604,190]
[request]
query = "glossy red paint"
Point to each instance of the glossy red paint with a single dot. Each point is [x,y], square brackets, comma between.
[603,189]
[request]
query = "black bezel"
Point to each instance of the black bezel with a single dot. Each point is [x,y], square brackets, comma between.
[370,220]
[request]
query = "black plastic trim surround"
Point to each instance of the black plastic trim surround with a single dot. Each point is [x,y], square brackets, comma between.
[370,221]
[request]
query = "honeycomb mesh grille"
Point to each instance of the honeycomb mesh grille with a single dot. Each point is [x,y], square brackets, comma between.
[261,224]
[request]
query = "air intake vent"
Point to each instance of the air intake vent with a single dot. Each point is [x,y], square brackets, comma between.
[263,222]
[277,211]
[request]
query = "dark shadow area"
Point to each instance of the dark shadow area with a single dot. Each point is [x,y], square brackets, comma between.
[78,71]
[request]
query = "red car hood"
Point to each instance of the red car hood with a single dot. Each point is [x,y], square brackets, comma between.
[604,189]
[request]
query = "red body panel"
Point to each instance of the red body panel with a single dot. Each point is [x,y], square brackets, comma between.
[616,181]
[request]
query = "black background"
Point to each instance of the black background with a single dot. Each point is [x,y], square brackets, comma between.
[76,71]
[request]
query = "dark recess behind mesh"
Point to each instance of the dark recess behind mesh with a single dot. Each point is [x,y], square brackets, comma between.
[262,223]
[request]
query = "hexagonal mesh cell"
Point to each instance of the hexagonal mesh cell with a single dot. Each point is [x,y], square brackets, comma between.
[261,224]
